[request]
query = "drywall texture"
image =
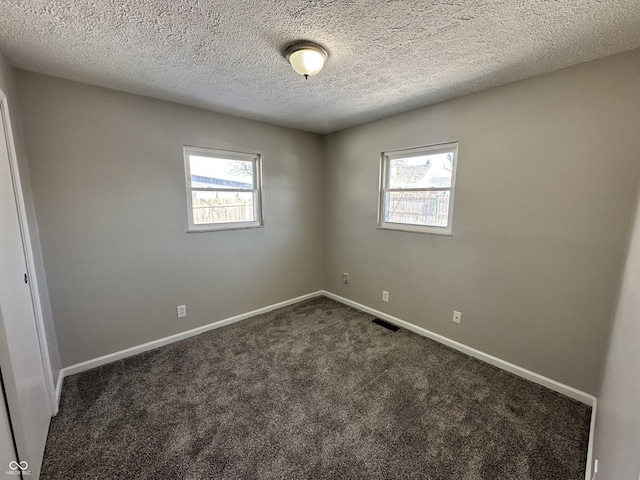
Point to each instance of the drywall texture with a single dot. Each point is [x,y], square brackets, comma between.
[7,85]
[547,175]
[617,440]
[108,179]
[384,56]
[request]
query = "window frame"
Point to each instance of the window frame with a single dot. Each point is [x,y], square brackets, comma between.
[385,160]
[215,153]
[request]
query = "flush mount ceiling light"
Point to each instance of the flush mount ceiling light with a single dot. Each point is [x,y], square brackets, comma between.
[306,58]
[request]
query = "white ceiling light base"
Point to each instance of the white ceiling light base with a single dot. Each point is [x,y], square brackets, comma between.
[306,58]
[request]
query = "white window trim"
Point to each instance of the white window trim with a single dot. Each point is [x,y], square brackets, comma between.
[257,188]
[384,180]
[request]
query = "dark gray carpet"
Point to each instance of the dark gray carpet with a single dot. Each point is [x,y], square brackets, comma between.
[312,391]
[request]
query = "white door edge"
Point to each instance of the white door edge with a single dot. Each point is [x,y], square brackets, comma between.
[28,253]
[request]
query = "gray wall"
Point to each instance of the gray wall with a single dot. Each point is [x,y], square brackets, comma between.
[108,180]
[547,175]
[548,169]
[7,85]
[617,440]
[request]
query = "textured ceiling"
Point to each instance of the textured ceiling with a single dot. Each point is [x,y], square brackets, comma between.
[384,56]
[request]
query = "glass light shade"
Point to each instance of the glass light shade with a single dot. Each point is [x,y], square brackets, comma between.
[306,59]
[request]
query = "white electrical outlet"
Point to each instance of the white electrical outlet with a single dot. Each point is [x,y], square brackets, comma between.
[345,278]
[182,311]
[457,317]
[385,296]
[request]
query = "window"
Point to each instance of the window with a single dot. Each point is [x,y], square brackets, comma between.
[223,189]
[417,188]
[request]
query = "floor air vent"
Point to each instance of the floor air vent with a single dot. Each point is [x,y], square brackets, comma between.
[387,325]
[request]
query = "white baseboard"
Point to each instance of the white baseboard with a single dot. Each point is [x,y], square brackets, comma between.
[504,365]
[128,352]
[509,367]
[58,391]
[588,475]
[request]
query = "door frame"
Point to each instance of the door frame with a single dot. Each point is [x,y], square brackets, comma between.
[28,252]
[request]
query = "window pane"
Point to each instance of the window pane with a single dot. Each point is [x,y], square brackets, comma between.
[428,171]
[417,208]
[220,173]
[222,207]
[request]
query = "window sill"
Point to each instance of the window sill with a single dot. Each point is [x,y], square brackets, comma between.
[223,228]
[416,229]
